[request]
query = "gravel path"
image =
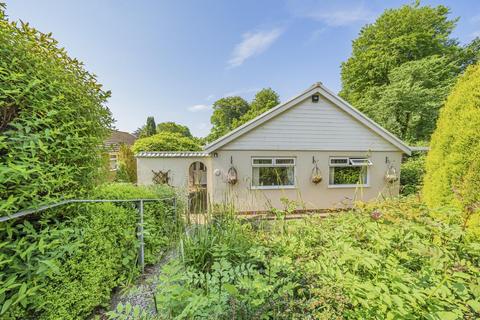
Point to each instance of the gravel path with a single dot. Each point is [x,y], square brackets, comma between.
[141,293]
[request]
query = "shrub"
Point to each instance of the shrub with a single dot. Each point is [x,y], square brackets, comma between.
[166,141]
[452,165]
[413,170]
[52,120]
[384,260]
[63,263]
[127,165]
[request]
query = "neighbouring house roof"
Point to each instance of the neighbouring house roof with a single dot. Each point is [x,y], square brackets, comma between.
[117,138]
[316,88]
[172,154]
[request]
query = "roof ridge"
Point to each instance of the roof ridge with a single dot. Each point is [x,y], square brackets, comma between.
[317,87]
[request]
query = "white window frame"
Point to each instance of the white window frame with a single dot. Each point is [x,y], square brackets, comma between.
[274,164]
[113,157]
[349,163]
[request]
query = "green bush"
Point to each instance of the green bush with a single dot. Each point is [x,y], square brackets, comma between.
[413,170]
[63,263]
[127,165]
[453,162]
[166,141]
[52,120]
[386,260]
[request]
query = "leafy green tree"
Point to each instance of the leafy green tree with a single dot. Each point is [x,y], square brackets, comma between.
[264,100]
[52,120]
[225,112]
[397,36]
[174,128]
[453,162]
[150,127]
[166,141]
[402,67]
[140,132]
[409,104]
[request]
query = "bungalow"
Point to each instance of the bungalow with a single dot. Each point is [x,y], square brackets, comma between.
[315,150]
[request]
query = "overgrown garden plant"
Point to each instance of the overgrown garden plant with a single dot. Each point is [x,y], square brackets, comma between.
[453,163]
[52,120]
[385,260]
[65,262]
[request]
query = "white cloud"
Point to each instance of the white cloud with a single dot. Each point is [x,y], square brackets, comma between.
[339,17]
[240,92]
[253,43]
[475,19]
[331,13]
[199,107]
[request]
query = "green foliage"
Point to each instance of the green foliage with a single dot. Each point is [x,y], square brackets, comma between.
[166,141]
[231,112]
[127,165]
[453,162]
[388,260]
[264,100]
[397,36]
[52,120]
[409,104]
[63,263]
[412,172]
[127,312]
[402,67]
[225,111]
[174,128]
[150,127]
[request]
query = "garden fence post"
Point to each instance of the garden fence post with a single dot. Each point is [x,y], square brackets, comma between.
[141,256]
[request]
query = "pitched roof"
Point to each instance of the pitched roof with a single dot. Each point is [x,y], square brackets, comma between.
[171,154]
[117,138]
[317,88]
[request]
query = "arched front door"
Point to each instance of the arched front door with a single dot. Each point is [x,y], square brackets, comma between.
[197,187]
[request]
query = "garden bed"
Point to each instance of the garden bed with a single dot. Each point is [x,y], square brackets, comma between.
[389,260]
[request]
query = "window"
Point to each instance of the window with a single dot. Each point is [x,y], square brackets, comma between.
[113,162]
[350,172]
[271,173]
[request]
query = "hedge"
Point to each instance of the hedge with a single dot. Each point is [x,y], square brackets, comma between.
[65,262]
[52,120]
[166,141]
[453,163]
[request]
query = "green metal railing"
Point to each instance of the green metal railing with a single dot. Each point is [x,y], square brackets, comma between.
[139,205]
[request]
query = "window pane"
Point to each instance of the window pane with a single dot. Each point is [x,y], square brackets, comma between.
[343,161]
[348,175]
[262,161]
[360,162]
[273,176]
[284,161]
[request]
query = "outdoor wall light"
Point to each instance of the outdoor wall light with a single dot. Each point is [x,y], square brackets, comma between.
[315,98]
[215,155]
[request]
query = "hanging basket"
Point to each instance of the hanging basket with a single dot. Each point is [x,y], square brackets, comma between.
[232,176]
[316,175]
[391,175]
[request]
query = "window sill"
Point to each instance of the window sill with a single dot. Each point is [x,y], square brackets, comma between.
[346,186]
[272,187]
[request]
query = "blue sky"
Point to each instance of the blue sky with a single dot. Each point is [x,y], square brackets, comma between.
[172,59]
